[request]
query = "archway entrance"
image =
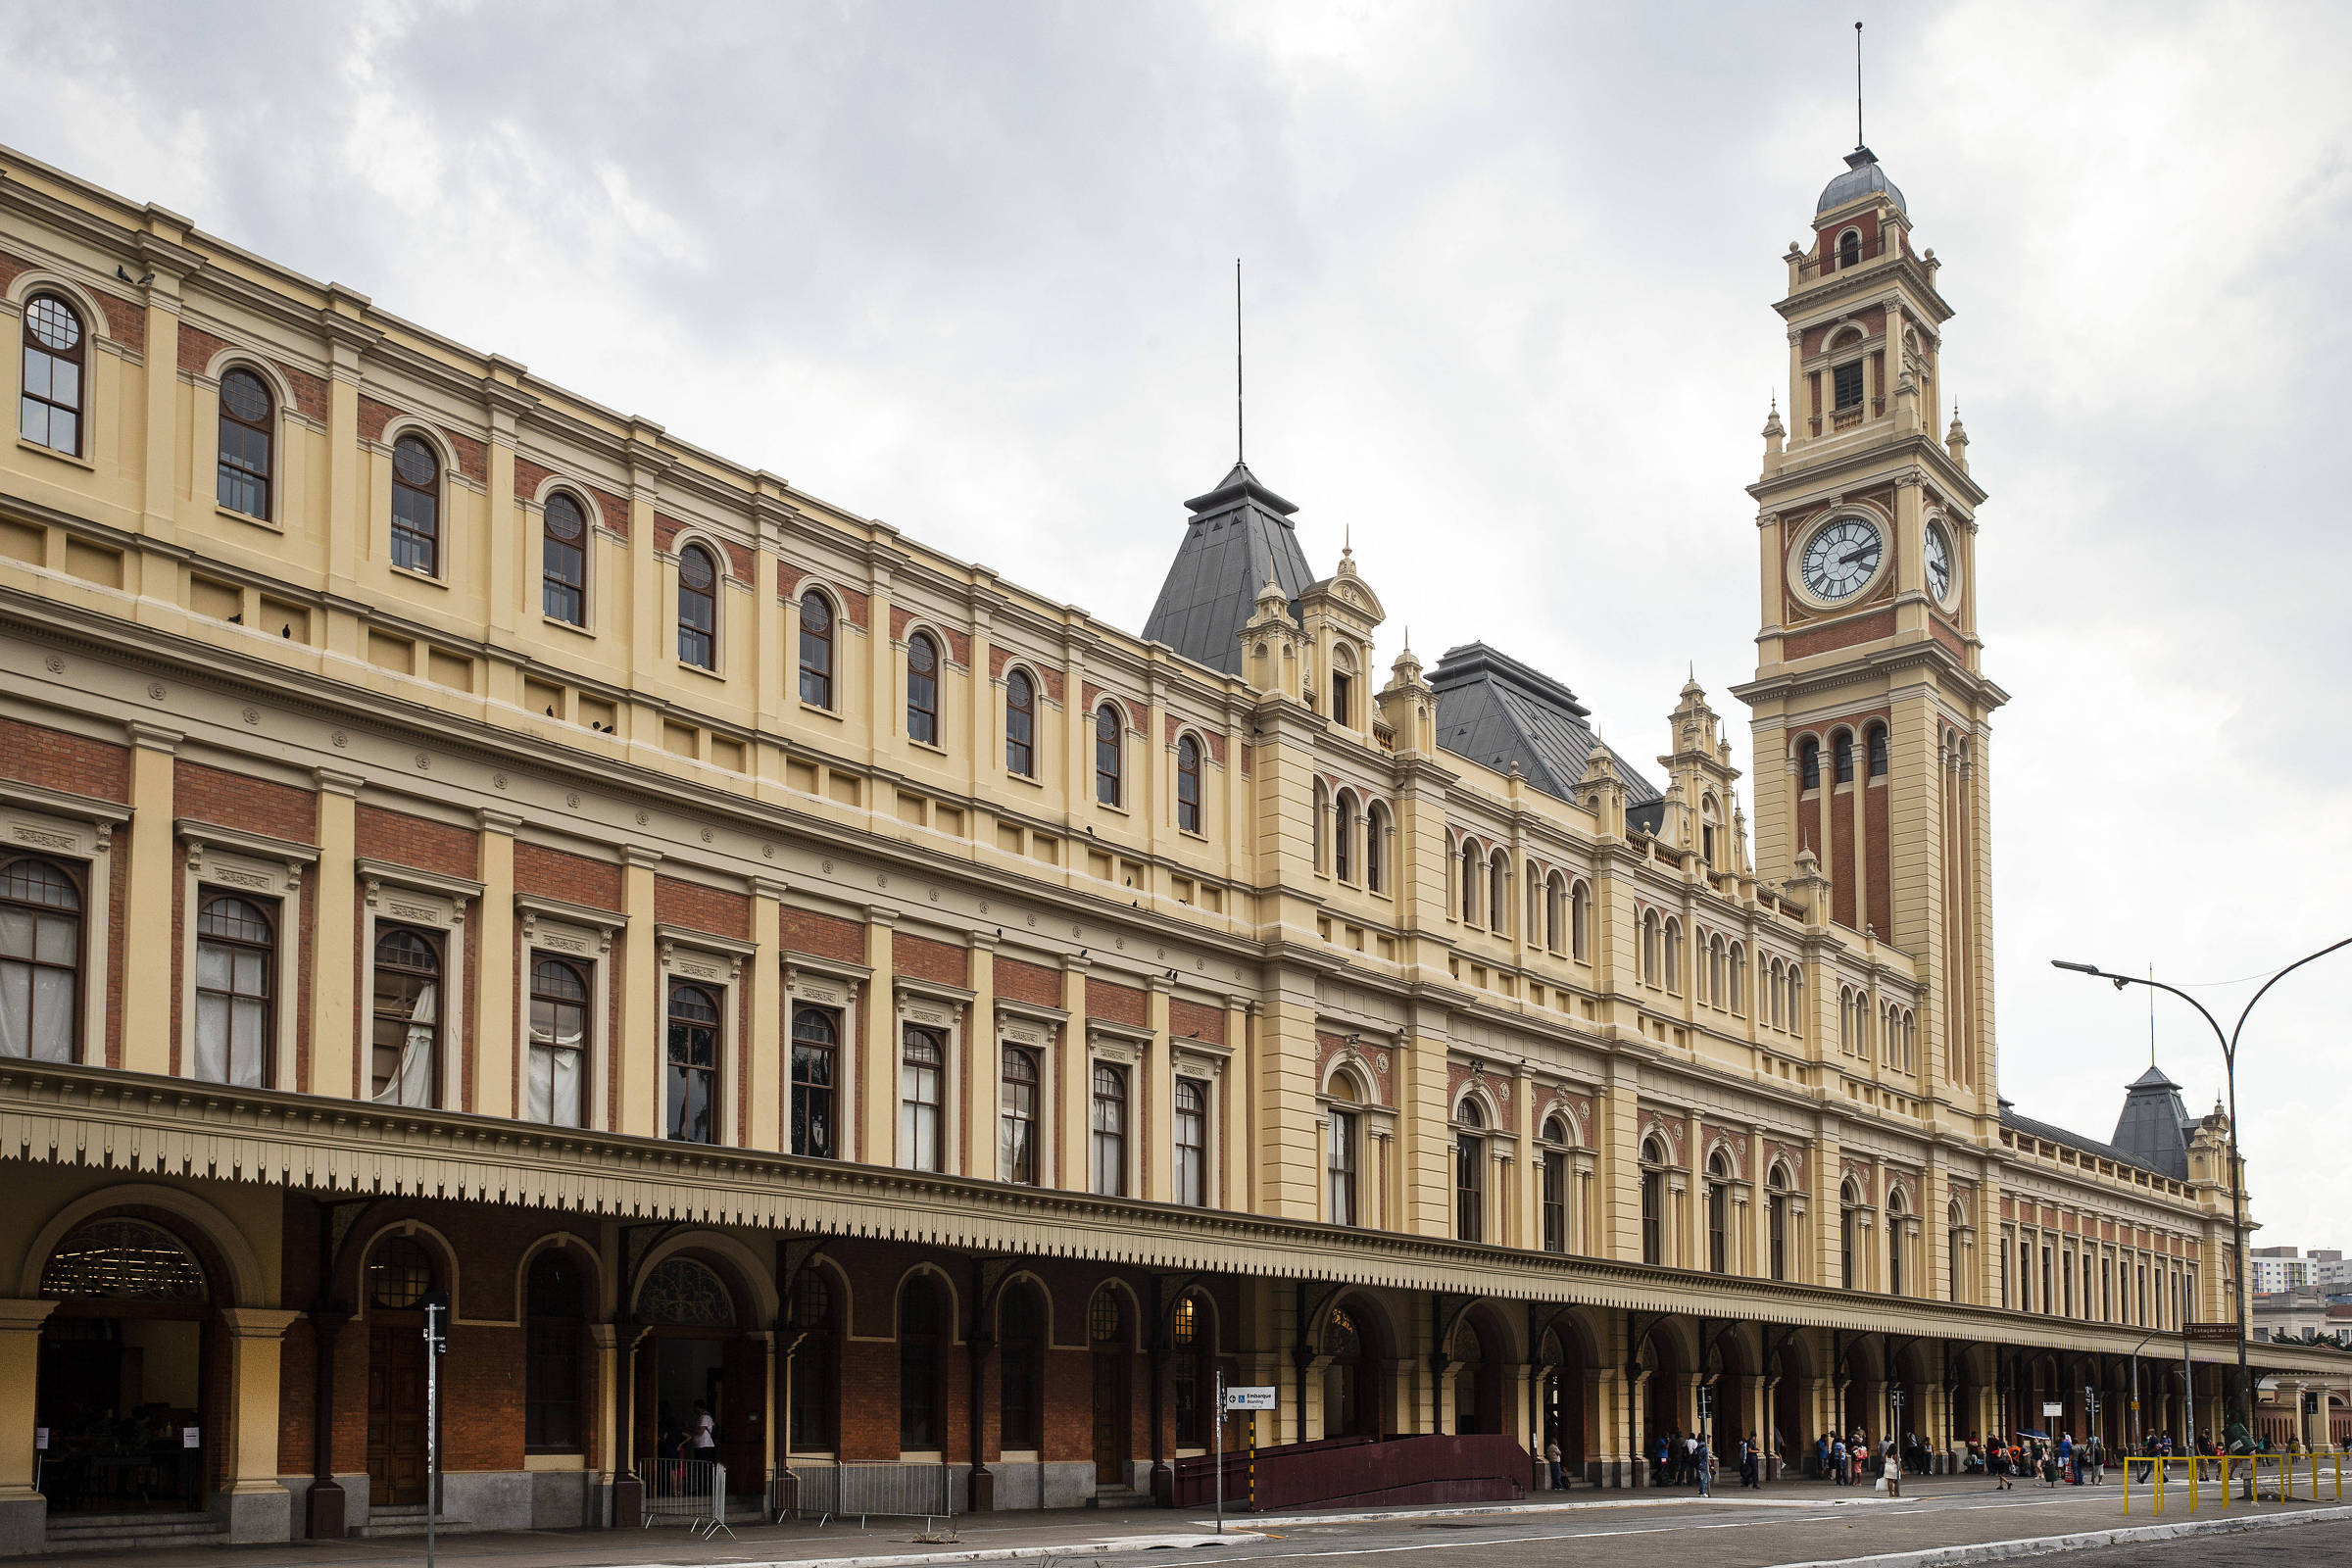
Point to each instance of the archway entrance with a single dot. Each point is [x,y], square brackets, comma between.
[125,1406]
[698,1374]
[1352,1376]
[400,1273]
[1476,1375]
[1108,1333]
[1662,1409]
[1561,1412]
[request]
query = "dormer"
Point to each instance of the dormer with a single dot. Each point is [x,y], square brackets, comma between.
[1338,616]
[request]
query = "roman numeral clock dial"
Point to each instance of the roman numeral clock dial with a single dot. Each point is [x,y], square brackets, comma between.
[1841,557]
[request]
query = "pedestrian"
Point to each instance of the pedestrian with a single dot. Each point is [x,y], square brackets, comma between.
[1894,1472]
[1837,1461]
[1703,1465]
[1551,1457]
[1996,1460]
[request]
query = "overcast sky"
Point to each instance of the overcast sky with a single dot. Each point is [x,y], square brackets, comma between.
[968,268]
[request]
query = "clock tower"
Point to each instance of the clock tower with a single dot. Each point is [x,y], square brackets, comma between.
[1871,706]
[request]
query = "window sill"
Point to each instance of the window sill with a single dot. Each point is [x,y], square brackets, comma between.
[1192,833]
[571,626]
[699,669]
[246,518]
[52,451]
[1030,779]
[414,574]
[928,746]
[833,713]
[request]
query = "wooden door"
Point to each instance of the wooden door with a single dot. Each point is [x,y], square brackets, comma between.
[396,1459]
[740,1398]
[1111,1420]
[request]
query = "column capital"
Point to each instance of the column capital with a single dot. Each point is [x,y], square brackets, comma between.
[25,1316]
[154,737]
[258,1322]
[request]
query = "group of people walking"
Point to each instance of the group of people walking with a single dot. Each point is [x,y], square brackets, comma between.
[1689,1459]
[1851,1459]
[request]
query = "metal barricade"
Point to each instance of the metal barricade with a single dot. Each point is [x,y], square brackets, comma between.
[2179,1482]
[694,1490]
[924,1491]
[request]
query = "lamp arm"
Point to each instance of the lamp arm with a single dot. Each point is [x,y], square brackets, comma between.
[2273,980]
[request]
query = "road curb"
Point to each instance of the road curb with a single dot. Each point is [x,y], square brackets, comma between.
[1102,1546]
[2045,1546]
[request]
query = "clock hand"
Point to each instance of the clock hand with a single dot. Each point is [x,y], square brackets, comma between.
[1852,555]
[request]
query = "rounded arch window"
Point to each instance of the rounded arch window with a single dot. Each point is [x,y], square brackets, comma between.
[126,1259]
[40,960]
[564,561]
[1719,1166]
[1555,1130]
[1109,784]
[1468,1114]
[399,1273]
[812,1301]
[1106,1318]
[55,353]
[1184,1324]
[247,434]
[686,1293]
[816,650]
[235,947]
[698,607]
[923,689]
[1341,1337]
[417,505]
[1188,784]
[1020,725]
[1849,248]
[1841,748]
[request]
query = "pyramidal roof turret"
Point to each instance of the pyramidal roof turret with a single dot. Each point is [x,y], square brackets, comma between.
[1239,538]
[2155,1125]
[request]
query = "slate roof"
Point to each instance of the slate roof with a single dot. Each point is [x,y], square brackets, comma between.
[2155,1126]
[1495,710]
[1240,535]
[2050,1133]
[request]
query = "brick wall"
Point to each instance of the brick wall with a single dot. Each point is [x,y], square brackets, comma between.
[824,936]
[415,841]
[1195,1020]
[715,910]
[57,761]
[250,805]
[1115,1004]
[941,963]
[574,878]
[1033,983]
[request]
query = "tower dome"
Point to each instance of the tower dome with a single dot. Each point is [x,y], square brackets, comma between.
[1862,177]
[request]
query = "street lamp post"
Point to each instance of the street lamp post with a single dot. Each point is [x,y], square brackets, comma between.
[2237,1177]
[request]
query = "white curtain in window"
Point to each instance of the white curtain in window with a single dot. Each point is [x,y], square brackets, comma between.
[229,1047]
[412,1084]
[554,1086]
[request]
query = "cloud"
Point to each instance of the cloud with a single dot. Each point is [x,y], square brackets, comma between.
[1509,273]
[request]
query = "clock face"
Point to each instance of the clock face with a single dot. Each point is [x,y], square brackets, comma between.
[1842,557]
[1940,564]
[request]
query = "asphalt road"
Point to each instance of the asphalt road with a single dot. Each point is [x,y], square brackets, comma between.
[1721,1537]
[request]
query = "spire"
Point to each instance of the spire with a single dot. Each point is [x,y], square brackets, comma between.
[1240,535]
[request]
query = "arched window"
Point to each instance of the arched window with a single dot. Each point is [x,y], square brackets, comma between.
[1878,751]
[416,505]
[564,561]
[1318,845]
[400,1274]
[407,1017]
[1849,1225]
[1469,1173]
[247,434]
[123,1259]
[40,960]
[1719,966]
[1108,772]
[1109,1130]
[1194,1369]
[1954,1218]
[1719,1213]
[1188,784]
[236,952]
[556,1090]
[1375,846]
[1797,1002]
[1192,1141]
[816,650]
[1652,956]
[815,1078]
[922,690]
[1737,972]
[1674,956]
[55,353]
[1021,1369]
[1842,748]
[1808,764]
[1555,910]
[554,1305]
[922,1364]
[1343,687]
[1554,1179]
[1709,831]
[693,1062]
[1498,894]
[1776,1219]
[1343,836]
[1340,1160]
[1471,860]
[1895,1241]
[1580,923]
[1017,1146]
[1020,725]
[922,1068]
[1849,248]
[698,607]
[1653,1202]
[812,1324]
